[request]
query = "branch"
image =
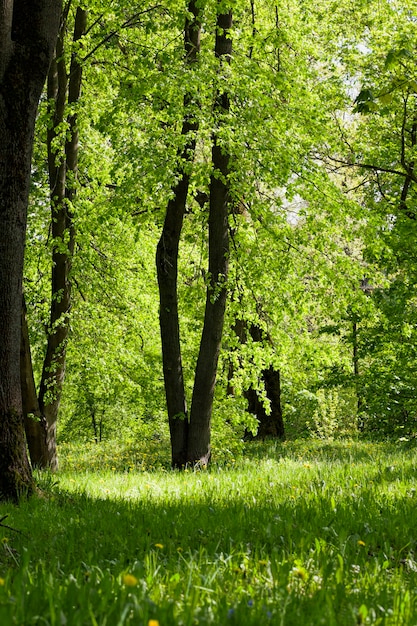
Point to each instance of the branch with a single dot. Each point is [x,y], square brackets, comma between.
[131,21]
[374,168]
[403,163]
[15,530]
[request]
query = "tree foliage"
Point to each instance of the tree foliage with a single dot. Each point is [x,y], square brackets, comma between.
[320,135]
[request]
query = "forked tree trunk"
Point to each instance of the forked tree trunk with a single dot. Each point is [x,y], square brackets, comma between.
[28,31]
[167,259]
[198,450]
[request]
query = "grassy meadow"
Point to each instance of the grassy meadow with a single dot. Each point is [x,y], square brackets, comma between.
[300,533]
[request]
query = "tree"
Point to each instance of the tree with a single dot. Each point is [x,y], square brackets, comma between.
[63,87]
[63,93]
[190,438]
[167,257]
[28,32]
[88,281]
[377,154]
[255,131]
[198,449]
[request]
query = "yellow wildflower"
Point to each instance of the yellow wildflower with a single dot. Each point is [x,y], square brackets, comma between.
[2,582]
[153,622]
[300,572]
[159,545]
[129,580]
[361,543]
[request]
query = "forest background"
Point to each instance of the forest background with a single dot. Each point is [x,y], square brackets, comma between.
[320,132]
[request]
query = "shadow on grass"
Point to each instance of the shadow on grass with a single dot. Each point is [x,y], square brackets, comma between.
[75,528]
[315,549]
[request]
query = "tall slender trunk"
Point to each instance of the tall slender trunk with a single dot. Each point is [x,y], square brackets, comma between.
[63,172]
[198,449]
[28,33]
[37,430]
[35,423]
[167,259]
[356,375]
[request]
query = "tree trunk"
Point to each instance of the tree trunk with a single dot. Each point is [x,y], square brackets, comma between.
[206,369]
[63,172]
[167,261]
[356,376]
[272,424]
[35,423]
[28,30]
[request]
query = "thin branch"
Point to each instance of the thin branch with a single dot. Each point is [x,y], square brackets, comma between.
[252,9]
[76,283]
[277,26]
[403,163]
[362,184]
[129,23]
[373,168]
[100,17]
[15,530]
[381,191]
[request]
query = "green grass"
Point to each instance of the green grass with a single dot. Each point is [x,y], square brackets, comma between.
[300,533]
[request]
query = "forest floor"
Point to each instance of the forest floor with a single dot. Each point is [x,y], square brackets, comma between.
[300,533]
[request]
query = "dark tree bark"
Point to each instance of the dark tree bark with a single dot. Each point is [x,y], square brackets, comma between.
[35,423]
[190,439]
[272,424]
[198,450]
[356,375]
[63,172]
[28,31]
[167,260]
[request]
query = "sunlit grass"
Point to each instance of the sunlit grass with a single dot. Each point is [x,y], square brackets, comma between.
[303,532]
[147,454]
